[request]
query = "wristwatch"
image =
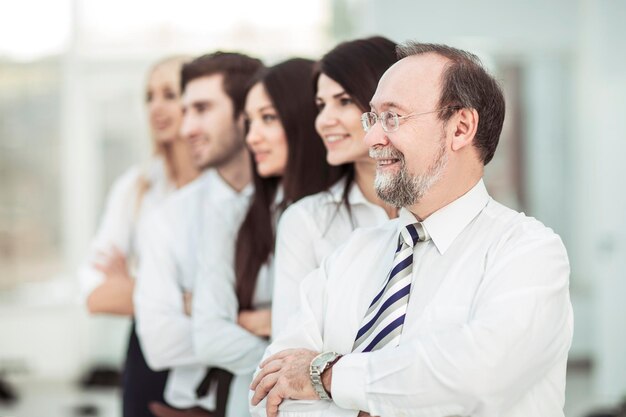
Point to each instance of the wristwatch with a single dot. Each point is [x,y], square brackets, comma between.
[319,364]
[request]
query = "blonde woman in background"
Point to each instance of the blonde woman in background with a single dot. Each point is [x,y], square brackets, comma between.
[107,276]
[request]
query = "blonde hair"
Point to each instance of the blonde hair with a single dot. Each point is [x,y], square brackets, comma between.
[162,150]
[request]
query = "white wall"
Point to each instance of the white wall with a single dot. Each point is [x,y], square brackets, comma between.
[600,221]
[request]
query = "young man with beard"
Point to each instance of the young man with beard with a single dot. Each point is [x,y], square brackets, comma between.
[460,307]
[214,89]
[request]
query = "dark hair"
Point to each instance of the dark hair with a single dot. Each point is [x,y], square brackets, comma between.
[466,84]
[357,66]
[288,87]
[237,70]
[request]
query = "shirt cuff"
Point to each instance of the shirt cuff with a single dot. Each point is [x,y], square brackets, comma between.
[349,382]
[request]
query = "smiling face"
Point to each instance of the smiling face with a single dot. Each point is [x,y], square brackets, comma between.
[266,137]
[209,125]
[339,123]
[163,102]
[413,159]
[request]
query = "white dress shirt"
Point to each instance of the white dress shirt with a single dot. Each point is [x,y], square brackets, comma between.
[123,218]
[308,231]
[218,340]
[170,250]
[488,325]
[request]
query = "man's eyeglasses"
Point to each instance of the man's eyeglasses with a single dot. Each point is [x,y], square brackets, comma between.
[389,120]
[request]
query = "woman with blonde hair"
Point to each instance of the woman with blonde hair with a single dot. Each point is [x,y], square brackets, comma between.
[107,276]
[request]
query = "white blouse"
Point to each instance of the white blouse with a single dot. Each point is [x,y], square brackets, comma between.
[308,231]
[123,218]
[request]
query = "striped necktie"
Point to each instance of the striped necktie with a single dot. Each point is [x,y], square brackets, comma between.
[384,319]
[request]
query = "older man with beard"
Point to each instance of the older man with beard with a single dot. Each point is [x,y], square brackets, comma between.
[460,307]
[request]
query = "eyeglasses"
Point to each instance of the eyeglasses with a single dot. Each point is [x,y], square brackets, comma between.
[389,120]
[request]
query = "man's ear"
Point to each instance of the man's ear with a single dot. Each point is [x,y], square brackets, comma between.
[465,124]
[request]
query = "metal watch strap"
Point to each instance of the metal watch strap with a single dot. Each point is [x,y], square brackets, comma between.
[316,375]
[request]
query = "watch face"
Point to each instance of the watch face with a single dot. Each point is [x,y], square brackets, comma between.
[324,358]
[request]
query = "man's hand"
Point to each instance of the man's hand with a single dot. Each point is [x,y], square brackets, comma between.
[284,375]
[257,322]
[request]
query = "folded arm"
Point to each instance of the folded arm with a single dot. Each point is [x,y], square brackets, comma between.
[163,327]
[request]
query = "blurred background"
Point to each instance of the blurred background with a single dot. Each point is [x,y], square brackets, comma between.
[72,75]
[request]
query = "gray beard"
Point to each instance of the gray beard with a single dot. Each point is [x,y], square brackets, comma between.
[402,189]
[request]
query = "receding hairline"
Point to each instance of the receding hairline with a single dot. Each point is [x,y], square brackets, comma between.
[412,48]
[444,60]
[407,66]
[450,55]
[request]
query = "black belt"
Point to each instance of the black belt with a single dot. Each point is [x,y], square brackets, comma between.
[223,379]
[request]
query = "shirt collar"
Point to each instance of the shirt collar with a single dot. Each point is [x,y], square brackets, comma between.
[220,188]
[445,225]
[355,196]
[280,195]
[155,172]
[277,211]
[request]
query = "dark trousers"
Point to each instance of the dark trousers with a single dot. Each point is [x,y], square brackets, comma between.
[140,384]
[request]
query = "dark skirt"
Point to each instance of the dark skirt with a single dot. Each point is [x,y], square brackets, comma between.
[140,384]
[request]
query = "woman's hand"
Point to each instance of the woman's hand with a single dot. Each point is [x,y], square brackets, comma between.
[187,302]
[257,322]
[112,264]
[115,294]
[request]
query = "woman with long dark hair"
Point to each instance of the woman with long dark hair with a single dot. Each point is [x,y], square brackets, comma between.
[107,277]
[345,80]
[232,298]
